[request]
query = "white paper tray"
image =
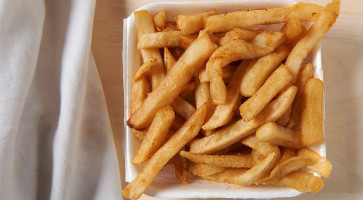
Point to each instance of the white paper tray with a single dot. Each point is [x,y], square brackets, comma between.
[165,185]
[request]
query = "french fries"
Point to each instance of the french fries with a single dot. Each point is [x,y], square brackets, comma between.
[312,113]
[274,84]
[186,133]
[223,79]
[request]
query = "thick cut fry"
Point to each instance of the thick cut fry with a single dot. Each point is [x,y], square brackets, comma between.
[325,20]
[144,68]
[243,177]
[155,136]
[170,87]
[303,182]
[223,113]
[305,74]
[192,23]
[180,166]
[186,133]
[230,161]
[288,166]
[312,113]
[144,24]
[199,169]
[285,118]
[183,108]
[263,44]
[169,60]
[171,26]
[235,132]
[273,85]
[238,34]
[241,19]
[279,135]
[261,70]
[264,148]
[161,19]
[292,28]
[321,165]
[159,40]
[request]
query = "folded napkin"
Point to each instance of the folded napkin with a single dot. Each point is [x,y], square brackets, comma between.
[55,134]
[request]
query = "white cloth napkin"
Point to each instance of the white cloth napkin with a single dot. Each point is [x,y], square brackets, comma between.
[55,135]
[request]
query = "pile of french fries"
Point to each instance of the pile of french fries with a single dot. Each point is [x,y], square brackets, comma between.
[229,102]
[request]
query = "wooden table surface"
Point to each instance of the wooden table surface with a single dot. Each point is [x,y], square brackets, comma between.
[342,55]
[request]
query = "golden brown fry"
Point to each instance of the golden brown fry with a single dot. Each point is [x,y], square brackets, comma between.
[279,135]
[292,28]
[161,19]
[257,156]
[261,70]
[144,68]
[183,107]
[223,113]
[321,165]
[171,85]
[303,182]
[186,133]
[230,161]
[305,74]
[243,177]
[242,19]
[192,23]
[287,153]
[159,40]
[285,118]
[185,41]
[228,72]
[264,148]
[177,123]
[199,169]
[144,24]
[312,113]
[240,129]
[325,20]
[263,44]
[238,34]
[171,26]
[272,86]
[155,136]
[187,89]
[169,60]
[139,91]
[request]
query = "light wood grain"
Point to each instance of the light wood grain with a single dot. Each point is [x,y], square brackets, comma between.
[342,51]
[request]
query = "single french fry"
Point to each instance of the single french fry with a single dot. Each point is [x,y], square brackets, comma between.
[312,113]
[303,182]
[225,161]
[170,87]
[242,19]
[243,177]
[262,44]
[171,26]
[159,40]
[144,68]
[261,70]
[169,60]
[200,169]
[181,168]
[320,164]
[288,166]
[272,86]
[223,113]
[183,107]
[305,74]
[238,34]
[228,72]
[325,20]
[264,148]
[145,24]
[192,23]
[285,118]
[161,19]
[186,133]
[155,136]
[292,28]
[279,135]
[240,129]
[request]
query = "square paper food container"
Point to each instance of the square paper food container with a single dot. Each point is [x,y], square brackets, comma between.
[165,184]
